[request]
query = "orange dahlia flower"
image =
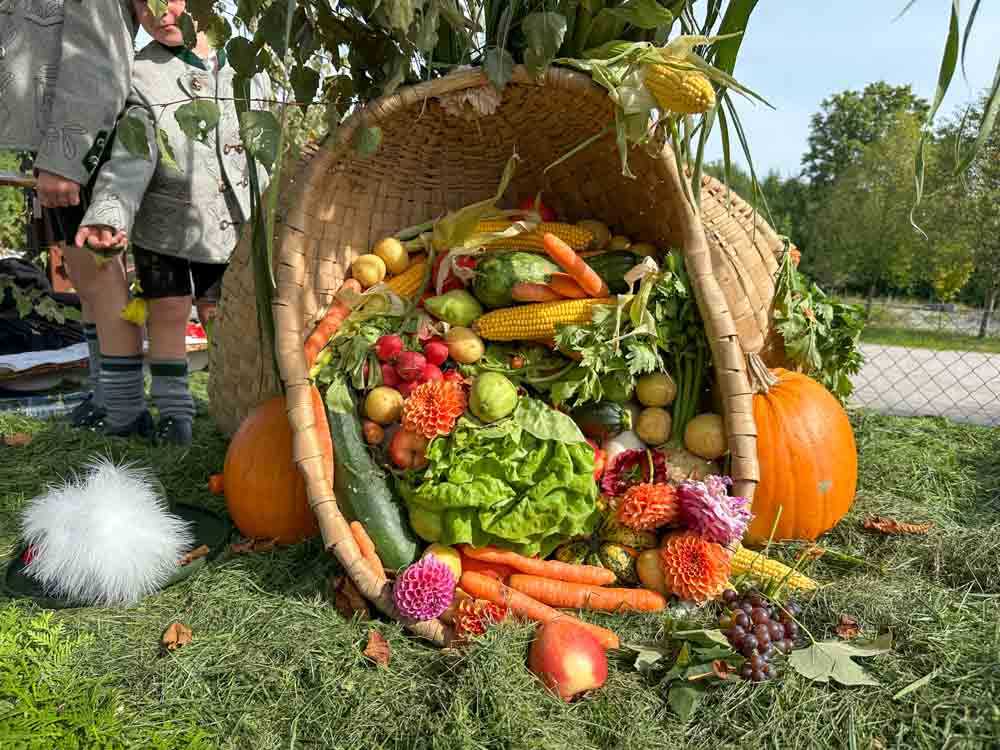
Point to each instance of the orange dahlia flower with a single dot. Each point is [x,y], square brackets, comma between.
[645,507]
[475,616]
[433,408]
[693,568]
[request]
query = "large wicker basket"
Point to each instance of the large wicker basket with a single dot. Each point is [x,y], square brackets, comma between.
[434,159]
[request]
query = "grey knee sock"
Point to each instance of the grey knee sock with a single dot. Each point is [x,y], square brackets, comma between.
[122,382]
[169,389]
[94,363]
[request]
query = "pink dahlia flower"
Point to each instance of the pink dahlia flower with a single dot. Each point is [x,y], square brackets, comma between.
[707,509]
[424,590]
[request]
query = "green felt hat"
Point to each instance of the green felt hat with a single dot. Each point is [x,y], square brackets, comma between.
[208,528]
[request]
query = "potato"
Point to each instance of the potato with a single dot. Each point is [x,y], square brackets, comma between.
[656,389]
[369,270]
[393,254]
[464,346]
[653,427]
[705,436]
[384,405]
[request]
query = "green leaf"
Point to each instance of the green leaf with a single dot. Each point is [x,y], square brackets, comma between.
[186,24]
[833,660]
[272,28]
[735,20]
[457,226]
[499,67]
[704,637]
[197,118]
[131,133]
[242,56]
[305,82]
[217,31]
[157,7]
[644,14]
[543,34]
[338,395]
[260,132]
[167,157]
[648,657]
[684,699]
[545,423]
[401,13]
[366,140]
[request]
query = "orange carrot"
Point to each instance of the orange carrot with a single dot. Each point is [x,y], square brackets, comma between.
[330,323]
[494,570]
[367,547]
[575,266]
[484,587]
[545,568]
[563,283]
[581,596]
[525,291]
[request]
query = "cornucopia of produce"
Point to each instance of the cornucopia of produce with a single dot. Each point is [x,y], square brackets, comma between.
[522,426]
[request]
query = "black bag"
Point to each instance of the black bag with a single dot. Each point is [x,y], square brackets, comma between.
[33,332]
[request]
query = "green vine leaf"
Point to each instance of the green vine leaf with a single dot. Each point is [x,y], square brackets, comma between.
[157,7]
[196,119]
[643,14]
[131,134]
[499,65]
[684,699]
[242,56]
[305,82]
[366,141]
[833,660]
[167,156]
[217,31]
[544,34]
[260,132]
[188,31]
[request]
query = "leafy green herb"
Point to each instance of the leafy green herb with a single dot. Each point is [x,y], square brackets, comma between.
[529,365]
[27,301]
[820,332]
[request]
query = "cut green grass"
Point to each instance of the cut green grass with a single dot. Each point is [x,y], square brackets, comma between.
[273,665]
[936,340]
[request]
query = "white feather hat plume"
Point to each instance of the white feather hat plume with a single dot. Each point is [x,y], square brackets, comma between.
[105,538]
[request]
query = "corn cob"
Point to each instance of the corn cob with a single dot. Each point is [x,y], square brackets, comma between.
[766,569]
[576,237]
[536,321]
[407,284]
[686,92]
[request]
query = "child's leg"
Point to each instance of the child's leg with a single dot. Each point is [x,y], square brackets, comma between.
[94,405]
[168,318]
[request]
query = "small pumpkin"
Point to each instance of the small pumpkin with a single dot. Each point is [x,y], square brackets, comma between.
[265,491]
[807,454]
[614,547]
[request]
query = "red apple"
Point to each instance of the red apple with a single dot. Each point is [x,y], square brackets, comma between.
[568,659]
[408,450]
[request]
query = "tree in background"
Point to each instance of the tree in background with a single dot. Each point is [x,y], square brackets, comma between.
[850,121]
[862,231]
[11,207]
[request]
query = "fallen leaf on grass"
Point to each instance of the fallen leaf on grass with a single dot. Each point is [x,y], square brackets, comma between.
[17,439]
[833,660]
[246,546]
[176,635]
[684,699]
[196,554]
[346,597]
[892,526]
[377,649]
[848,627]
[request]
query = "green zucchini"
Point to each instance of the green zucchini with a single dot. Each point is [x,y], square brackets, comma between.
[364,493]
[602,420]
[612,267]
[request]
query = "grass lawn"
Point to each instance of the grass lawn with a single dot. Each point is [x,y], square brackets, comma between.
[273,665]
[937,340]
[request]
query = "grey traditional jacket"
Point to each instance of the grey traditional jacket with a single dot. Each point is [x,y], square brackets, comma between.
[64,77]
[196,211]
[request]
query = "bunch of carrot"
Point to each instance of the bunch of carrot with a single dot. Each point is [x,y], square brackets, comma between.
[579,281]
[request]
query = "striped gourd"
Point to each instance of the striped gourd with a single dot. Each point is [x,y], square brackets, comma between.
[764,569]
[408,283]
[536,321]
[686,92]
[576,237]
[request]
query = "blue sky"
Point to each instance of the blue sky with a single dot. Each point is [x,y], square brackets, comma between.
[797,52]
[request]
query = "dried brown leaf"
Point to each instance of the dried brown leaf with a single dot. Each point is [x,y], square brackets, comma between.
[892,526]
[723,669]
[176,635]
[346,597]
[813,552]
[17,439]
[196,554]
[248,546]
[378,649]
[848,627]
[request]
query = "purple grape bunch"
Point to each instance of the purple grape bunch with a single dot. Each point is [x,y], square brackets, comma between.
[759,631]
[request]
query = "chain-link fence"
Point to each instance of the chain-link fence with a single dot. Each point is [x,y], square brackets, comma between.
[931,360]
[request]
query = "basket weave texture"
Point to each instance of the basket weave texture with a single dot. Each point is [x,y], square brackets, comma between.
[433,160]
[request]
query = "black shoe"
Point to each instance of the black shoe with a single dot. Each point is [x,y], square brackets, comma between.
[174,431]
[87,413]
[141,426]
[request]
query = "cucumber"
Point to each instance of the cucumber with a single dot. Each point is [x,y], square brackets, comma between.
[364,493]
[612,267]
[602,420]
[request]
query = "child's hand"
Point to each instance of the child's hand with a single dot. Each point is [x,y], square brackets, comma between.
[55,191]
[101,237]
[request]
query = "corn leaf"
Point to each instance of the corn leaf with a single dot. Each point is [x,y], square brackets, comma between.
[643,14]
[735,20]
[452,230]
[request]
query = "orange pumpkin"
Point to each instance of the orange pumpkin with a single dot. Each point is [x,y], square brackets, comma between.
[808,458]
[265,491]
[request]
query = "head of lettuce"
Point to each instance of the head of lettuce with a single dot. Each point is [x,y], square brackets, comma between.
[525,483]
